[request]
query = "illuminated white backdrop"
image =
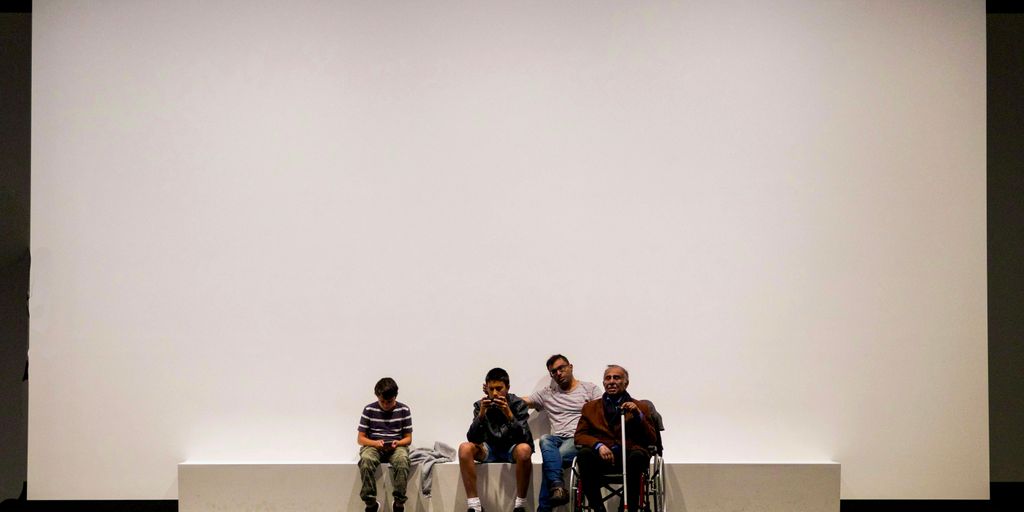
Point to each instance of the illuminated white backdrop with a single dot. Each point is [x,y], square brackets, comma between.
[245,213]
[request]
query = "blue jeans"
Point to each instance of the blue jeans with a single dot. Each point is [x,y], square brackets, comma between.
[557,453]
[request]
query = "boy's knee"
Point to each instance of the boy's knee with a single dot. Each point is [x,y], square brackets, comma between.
[522,451]
[400,459]
[467,450]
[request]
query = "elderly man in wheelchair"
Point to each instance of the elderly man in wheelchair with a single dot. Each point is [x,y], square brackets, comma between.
[598,464]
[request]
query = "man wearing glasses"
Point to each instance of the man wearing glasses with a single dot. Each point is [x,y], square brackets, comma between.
[563,400]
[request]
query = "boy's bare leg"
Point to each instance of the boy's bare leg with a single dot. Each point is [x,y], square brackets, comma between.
[469,453]
[524,468]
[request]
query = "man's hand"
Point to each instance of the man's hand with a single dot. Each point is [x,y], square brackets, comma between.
[485,403]
[606,453]
[379,444]
[629,410]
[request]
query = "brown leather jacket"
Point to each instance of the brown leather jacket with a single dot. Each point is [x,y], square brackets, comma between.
[593,428]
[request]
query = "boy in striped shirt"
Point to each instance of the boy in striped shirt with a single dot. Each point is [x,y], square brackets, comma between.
[385,433]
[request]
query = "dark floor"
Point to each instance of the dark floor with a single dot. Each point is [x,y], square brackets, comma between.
[1004,497]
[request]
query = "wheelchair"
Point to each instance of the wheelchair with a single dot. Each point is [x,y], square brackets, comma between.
[652,481]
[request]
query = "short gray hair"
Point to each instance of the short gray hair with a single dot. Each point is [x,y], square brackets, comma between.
[625,371]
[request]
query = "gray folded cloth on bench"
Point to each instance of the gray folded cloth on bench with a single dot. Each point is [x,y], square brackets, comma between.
[428,457]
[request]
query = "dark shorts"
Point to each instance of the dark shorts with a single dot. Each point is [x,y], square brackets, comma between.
[497,455]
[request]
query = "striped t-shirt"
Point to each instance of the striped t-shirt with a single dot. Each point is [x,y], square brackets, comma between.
[392,425]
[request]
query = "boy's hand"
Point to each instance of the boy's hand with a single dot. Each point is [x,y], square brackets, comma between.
[485,403]
[502,404]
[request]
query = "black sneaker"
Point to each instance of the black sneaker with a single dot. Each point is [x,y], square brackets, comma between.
[398,507]
[559,496]
[519,509]
[373,507]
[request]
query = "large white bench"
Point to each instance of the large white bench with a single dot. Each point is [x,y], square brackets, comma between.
[334,486]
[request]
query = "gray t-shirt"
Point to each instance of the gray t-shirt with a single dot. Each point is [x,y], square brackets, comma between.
[564,407]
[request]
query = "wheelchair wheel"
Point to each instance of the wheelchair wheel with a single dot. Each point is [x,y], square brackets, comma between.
[575,491]
[656,485]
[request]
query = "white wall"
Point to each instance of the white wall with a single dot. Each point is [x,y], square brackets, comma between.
[244,213]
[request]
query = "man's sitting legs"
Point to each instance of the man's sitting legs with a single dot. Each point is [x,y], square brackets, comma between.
[593,468]
[557,453]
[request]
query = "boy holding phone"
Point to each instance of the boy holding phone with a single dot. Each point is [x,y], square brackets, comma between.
[385,433]
[499,433]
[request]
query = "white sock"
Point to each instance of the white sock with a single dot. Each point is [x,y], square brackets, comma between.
[520,502]
[474,503]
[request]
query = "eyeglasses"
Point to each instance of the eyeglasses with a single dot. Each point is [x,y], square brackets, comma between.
[559,369]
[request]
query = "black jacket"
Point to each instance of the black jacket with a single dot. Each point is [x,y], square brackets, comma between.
[496,430]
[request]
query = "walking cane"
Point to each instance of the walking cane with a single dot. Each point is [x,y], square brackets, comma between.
[625,492]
